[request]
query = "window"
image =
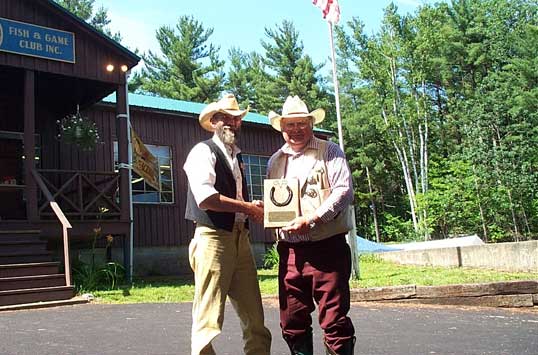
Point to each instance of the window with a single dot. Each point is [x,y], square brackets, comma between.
[145,193]
[255,171]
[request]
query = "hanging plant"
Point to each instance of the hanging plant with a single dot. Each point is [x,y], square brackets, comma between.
[79,130]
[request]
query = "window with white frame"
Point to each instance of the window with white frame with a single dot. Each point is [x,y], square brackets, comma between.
[144,192]
[255,171]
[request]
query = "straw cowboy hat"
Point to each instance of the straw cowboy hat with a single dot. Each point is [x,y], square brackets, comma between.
[295,107]
[228,104]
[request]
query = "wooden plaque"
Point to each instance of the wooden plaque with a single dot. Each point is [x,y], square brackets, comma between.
[281,201]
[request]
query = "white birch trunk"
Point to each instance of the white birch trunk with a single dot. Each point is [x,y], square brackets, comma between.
[400,153]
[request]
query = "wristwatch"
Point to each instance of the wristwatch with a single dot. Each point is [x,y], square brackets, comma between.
[311,223]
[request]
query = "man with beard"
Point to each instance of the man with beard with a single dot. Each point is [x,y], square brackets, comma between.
[219,253]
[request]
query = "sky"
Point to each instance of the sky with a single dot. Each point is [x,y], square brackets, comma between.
[242,23]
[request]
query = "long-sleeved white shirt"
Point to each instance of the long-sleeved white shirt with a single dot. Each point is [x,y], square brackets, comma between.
[200,169]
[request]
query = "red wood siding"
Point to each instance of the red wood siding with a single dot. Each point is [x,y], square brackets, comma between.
[59,155]
[164,225]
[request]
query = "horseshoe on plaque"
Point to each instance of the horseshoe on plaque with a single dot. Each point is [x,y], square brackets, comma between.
[281,204]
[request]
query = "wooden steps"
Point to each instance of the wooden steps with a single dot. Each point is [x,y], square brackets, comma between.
[23,247]
[27,272]
[33,281]
[28,269]
[32,295]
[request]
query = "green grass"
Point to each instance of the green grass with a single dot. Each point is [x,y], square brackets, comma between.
[374,273]
[165,290]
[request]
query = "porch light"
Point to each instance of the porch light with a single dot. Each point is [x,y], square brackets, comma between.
[124,68]
[23,157]
[110,68]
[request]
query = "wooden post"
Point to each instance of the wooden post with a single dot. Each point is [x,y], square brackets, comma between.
[29,145]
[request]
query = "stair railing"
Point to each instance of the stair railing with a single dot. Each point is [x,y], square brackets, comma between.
[63,220]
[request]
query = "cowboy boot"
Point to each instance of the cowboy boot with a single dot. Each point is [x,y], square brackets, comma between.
[303,345]
[346,349]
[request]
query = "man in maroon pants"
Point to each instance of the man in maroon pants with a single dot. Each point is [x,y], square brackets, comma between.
[315,260]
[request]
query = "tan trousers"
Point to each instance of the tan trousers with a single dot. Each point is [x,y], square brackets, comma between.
[223,266]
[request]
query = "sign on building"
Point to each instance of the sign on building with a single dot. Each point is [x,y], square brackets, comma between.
[144,163]
[36,41]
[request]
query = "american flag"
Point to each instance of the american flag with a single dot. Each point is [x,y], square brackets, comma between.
[329,9]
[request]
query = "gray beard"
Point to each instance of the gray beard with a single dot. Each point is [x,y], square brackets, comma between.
[226,134]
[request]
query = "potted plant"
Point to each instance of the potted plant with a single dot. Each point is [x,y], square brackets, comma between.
[79,130]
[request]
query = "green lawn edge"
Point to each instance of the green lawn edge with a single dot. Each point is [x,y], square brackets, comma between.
[374,272]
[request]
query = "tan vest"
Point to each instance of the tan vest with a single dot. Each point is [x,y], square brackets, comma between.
[314,189]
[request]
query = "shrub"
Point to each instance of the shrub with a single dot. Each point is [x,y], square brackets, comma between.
[397,229]
[271,258]
[95,275]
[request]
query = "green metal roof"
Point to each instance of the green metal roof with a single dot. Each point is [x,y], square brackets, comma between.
[161,103]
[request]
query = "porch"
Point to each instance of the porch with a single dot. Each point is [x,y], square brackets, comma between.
[52,187]
[52,194]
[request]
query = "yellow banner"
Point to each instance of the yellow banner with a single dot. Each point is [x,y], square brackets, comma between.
[144,163]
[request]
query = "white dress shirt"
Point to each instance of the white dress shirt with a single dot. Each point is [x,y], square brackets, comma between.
[200,170]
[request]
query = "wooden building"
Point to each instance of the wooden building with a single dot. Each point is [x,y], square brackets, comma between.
[54,195]
[50,63]
[170,128]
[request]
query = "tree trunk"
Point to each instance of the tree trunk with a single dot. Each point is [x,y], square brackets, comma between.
[402,157]
[374,207]
[400,150]
[514,219]
[497,142]
[480,208]
[526,220]
[423,132]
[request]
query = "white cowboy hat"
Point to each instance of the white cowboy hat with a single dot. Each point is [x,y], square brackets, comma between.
[228,104]
[295,107]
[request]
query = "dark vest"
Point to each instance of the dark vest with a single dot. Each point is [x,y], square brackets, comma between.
[225,185]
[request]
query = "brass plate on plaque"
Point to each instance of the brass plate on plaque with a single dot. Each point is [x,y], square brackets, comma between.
[281,201]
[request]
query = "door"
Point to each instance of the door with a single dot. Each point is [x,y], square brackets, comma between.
[12,185]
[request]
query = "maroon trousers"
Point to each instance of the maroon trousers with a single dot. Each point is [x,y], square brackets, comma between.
[315,272]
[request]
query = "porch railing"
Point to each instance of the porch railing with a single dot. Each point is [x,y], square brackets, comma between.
[82,195]
[63,220]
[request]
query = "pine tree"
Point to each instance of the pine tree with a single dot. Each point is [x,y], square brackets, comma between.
[188,69]
[291,71]
[85,10]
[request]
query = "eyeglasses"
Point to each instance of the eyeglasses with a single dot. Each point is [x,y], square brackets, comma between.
[296,125]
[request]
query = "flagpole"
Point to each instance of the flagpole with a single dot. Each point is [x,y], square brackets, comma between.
[352,234]
[335,83]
